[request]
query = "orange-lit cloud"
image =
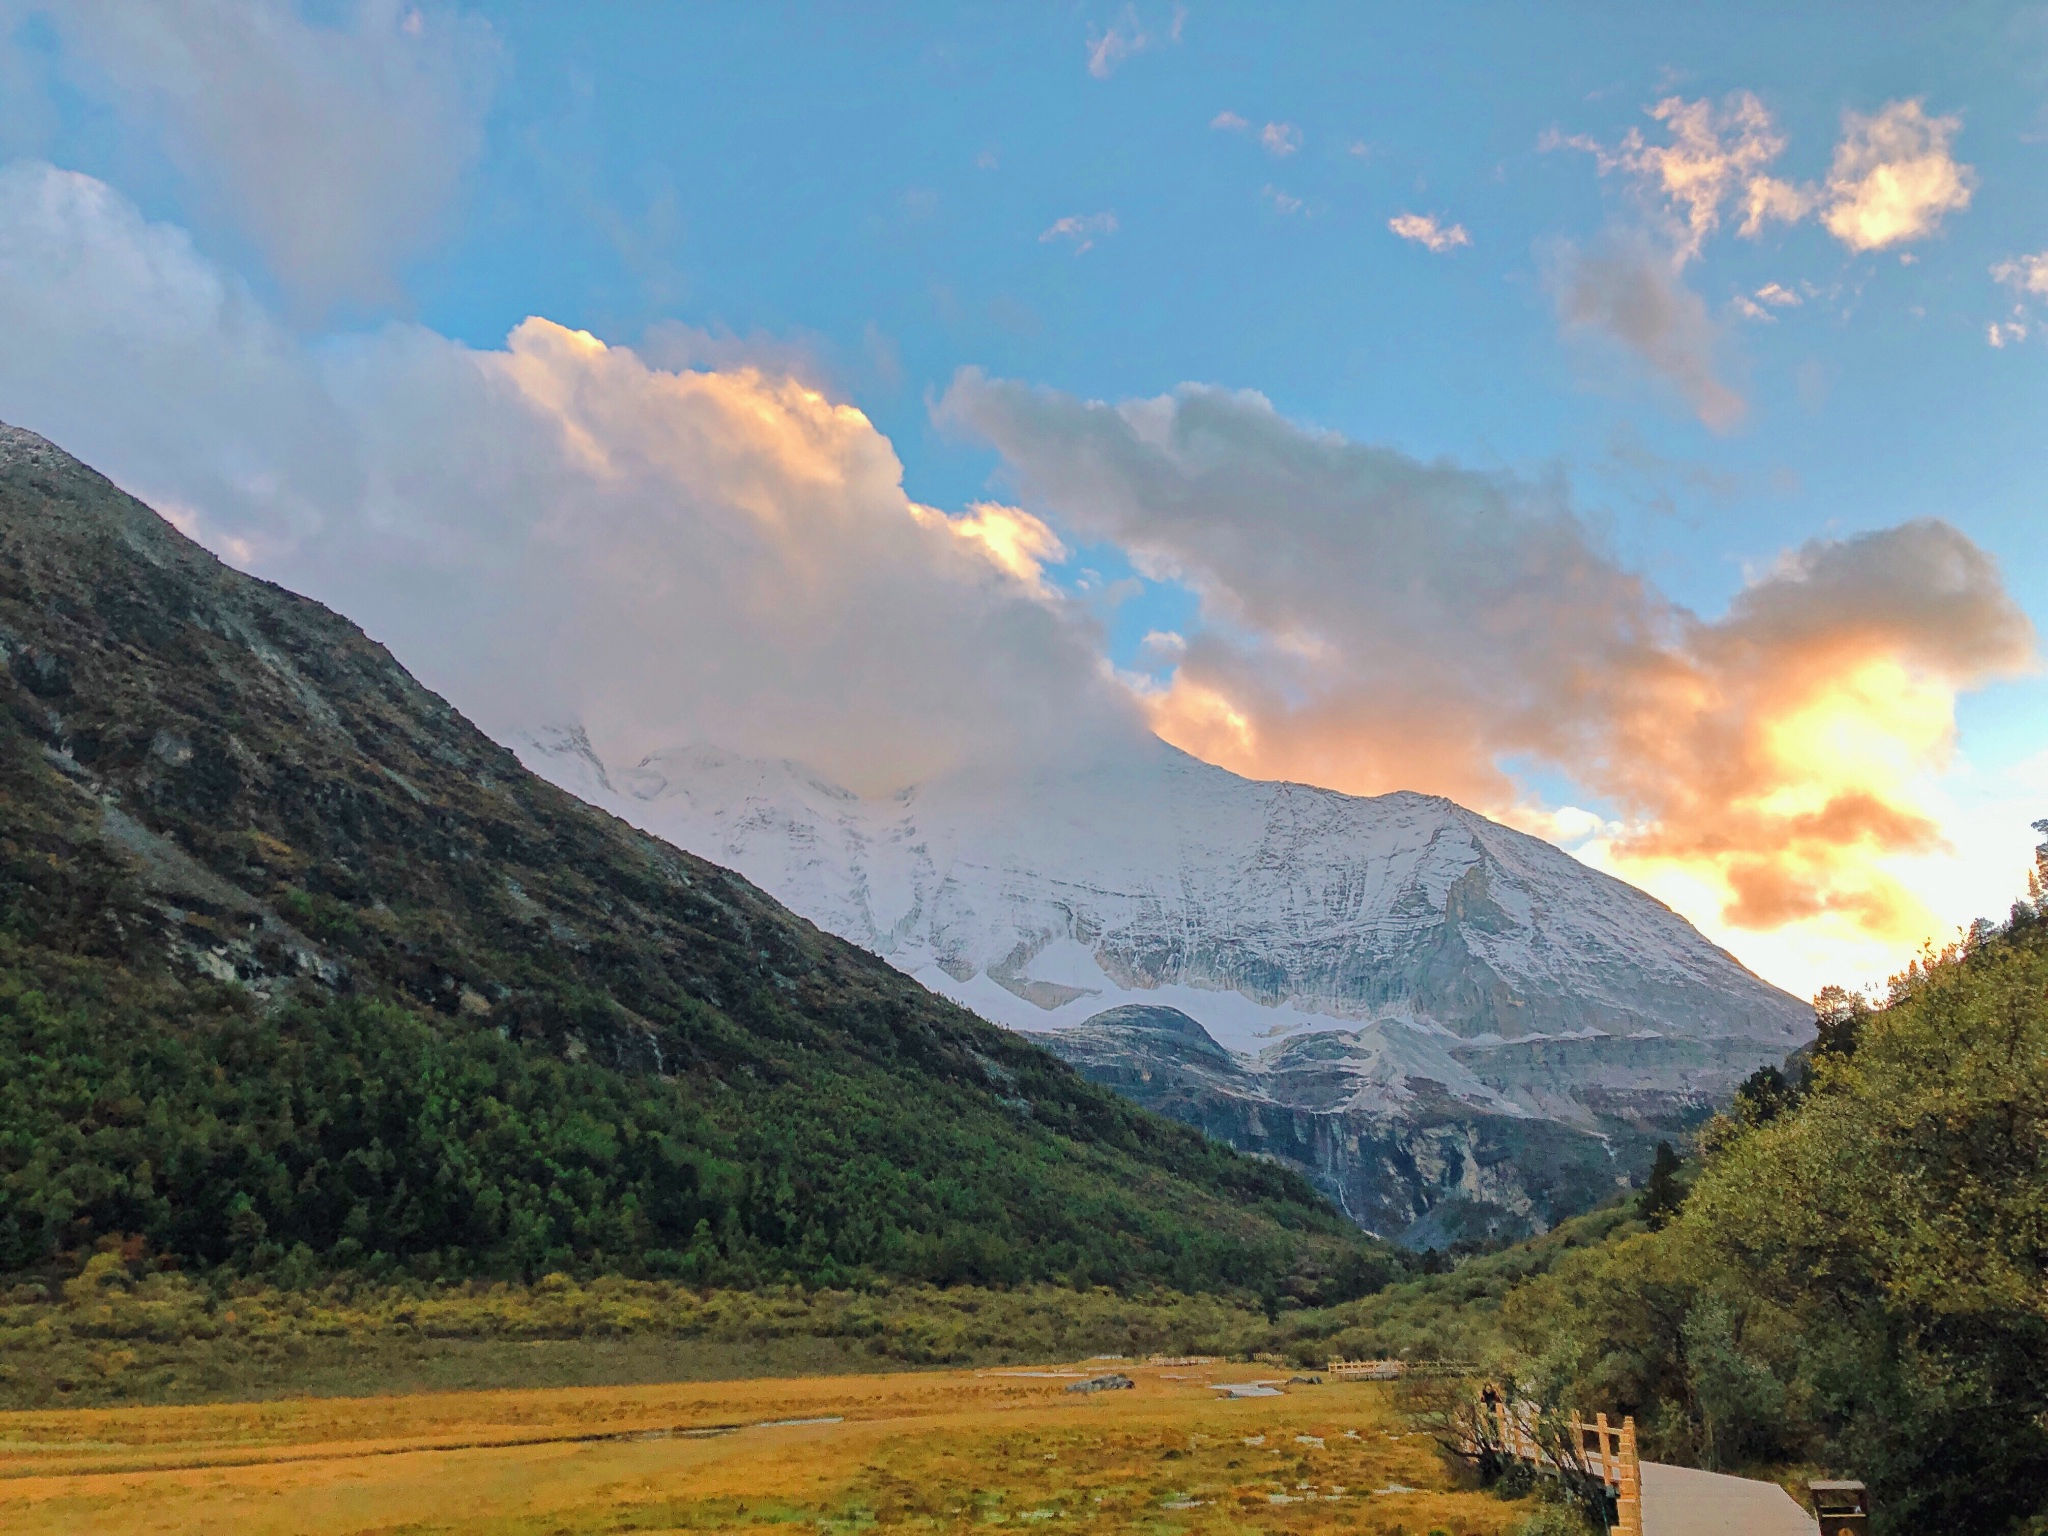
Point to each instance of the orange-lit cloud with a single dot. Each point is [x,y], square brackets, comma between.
[1781,751]
[1376,623]
[1893,178]
[1629,285]
[555,529]
[1009,538]
[1714,154]
[559,529]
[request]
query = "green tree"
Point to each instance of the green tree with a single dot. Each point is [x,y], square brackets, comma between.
[1662,1194]
[1892,1235]
[1764,1095]
[1738,1405]
[1838,1019]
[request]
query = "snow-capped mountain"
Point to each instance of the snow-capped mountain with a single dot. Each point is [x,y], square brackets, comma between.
[1443,1020]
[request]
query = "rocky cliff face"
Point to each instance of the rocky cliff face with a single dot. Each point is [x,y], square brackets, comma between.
[1446,1022]
[1434,1170]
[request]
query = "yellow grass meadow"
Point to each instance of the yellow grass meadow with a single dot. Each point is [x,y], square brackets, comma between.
[940,1451]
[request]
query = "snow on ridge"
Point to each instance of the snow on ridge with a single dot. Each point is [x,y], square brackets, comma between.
[1265,910]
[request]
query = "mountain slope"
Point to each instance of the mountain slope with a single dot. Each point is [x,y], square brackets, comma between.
[294,961]
[1434,1013]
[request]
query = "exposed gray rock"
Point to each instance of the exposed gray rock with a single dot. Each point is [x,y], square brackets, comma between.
[1448,1023]
[1429,1173]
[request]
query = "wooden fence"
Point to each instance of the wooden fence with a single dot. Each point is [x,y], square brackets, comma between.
[1389,1370]
[1365,1370]
[1604,1450]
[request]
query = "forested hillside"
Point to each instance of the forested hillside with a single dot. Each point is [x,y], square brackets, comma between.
[1857,1279]
[302,975]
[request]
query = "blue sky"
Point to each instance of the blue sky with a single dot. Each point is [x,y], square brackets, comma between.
[1108,202]
[874,192]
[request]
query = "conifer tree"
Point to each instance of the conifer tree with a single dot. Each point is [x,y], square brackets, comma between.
[1662,1193]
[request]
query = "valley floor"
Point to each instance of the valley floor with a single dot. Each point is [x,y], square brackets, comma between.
[926,1451]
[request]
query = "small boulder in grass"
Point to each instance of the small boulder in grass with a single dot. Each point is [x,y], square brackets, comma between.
[1115,1381]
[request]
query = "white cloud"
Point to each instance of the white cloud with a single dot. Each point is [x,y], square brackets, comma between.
[1569,826]
[1893,178]
[552,529]
[2025,274]
[337,149]
[1372,622]
[1281,202]
[1080,230]
[1163,647]
[2027,277]
[1713,153]
[1128,36]
[1280,139]
[1767,200]
[557,527]
[1630,285]
[1629,290]
[1424,230]
[1758,306]
[119,329]
[1009,537]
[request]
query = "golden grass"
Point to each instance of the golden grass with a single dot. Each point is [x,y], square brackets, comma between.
[953,1451]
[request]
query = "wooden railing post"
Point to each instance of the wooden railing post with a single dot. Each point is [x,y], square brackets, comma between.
[1619,1466]
[1629,1479]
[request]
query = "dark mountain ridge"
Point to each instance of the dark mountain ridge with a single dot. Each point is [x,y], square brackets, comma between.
[296,963]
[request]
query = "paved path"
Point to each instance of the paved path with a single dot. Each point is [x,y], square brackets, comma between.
[1678,1501]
